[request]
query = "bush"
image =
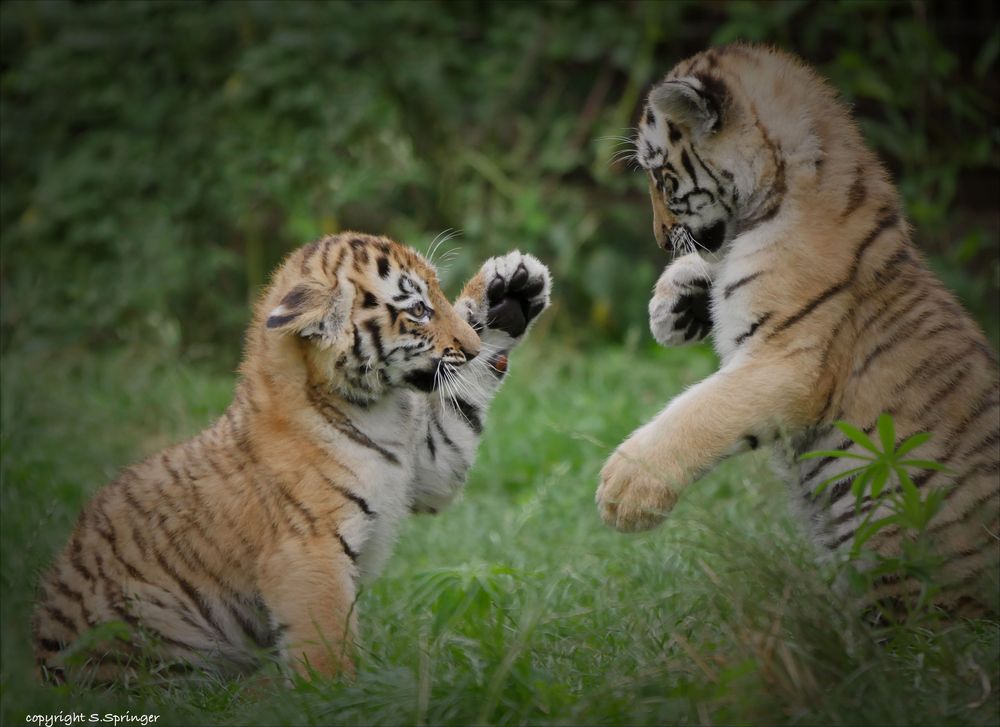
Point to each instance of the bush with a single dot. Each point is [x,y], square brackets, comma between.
[160,158]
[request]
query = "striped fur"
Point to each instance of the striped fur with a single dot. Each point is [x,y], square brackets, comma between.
[362,397]
[796,256]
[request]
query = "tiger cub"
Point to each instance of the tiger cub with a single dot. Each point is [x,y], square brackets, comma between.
[795,254]
[362,398]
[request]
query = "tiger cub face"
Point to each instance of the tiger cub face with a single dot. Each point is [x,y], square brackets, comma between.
[364,315]
[712,169]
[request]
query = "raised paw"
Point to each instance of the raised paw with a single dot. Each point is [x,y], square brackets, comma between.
[507,294]
[679,311]
[631,497]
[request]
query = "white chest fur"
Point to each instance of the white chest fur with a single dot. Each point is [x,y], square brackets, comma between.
[733,310]
[382,474]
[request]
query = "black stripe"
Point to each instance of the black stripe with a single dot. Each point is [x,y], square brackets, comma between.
[689,168]
[324,257]
[194,562]
[291,500]
[343,425]
[986,401]
[941,328]
[374,330]
[856,194]
[351,553]
[753,329]
[761,218]
[444,435]
[825,357]
[112,542]
[192,593]
[888,218]
[356,345]
[974,508]
[307,252]
[892,267]
[471,414]
[971,552]
[948,358]
[880,349]
[906,301]
[704,166]
[352,433]
[355,498]
[991,440]
[430,444]
[76,558]
[942,393]
[62,618]
[732,287]
[810,307]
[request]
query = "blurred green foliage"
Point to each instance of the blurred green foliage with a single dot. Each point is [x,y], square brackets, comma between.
[159,158]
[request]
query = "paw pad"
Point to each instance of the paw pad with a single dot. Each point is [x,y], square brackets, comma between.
[514,303]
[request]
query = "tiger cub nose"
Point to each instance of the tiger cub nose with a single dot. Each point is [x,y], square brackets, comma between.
[469,349]
[466,352]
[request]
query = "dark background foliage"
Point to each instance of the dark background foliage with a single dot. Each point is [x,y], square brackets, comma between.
[158,159]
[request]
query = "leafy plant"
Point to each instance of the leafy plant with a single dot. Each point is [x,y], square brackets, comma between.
[910,510]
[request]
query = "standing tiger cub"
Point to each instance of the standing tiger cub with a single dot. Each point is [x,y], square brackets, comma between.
[797,258]
[362,397]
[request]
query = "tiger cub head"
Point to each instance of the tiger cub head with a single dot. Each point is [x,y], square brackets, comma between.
[358,315]
[720,138]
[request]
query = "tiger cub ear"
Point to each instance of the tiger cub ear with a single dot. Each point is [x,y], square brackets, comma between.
[697,102]
[309,312]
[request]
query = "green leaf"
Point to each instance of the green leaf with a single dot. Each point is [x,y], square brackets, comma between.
[886,432]
[859,485]
[905,483]
[838,477]
[924,464]
[835,453]
[867,530]
[857,436]
[879,478]
[912,443]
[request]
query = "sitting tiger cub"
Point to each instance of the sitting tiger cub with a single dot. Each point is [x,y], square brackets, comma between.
[799,262]
[362,398]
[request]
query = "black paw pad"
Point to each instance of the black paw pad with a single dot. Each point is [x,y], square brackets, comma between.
[507,316]
[693,315]
[519,278]
[495,290]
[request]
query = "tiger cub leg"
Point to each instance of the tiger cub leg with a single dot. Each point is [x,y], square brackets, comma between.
[501,302]
[641,481]
[679,311]
[308,587]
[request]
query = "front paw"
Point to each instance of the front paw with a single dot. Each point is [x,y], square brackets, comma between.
[631,497]
[507,294]
[679,311]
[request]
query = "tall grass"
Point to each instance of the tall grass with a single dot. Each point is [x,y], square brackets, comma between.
[516,605]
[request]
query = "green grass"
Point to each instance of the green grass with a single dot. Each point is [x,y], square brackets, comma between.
[516,605]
